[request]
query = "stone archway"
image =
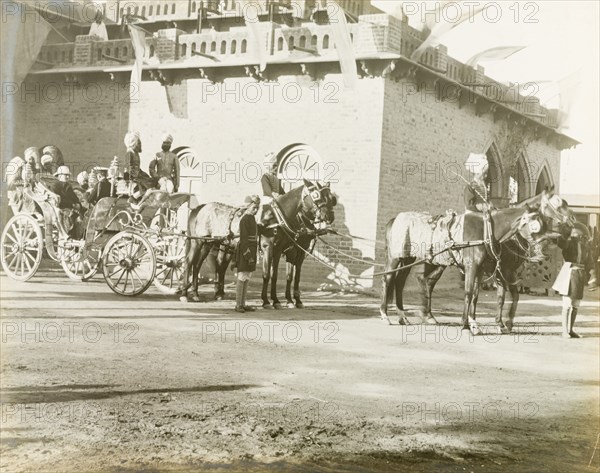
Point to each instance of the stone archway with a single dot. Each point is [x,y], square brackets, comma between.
[520,182]
[544,181]
[497,187]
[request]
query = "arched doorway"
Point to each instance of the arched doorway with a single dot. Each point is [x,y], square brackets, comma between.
[544,181]
[519,185]
[299,161]
[497,189]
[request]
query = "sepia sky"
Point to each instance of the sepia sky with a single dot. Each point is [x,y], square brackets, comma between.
[562,45]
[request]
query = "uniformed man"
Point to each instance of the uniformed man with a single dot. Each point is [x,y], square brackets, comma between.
[271,187]
[68,198]
[476,192]
[244,263]
[164,168]
[571,280]
[103,188]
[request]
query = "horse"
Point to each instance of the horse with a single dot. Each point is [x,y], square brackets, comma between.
[215,227]
[301,209]
[410,235]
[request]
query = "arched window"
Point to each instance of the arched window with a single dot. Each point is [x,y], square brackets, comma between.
[158,9]
[519,187]
[280,44]
[544,181]
[166,9]
[173,7]
[213,47]
[184,50]
[99,54]
[233,48]
[303,41]
[144,11]
[193,7]
[244,46]
[326,41]
[193,48]
[203,47]
[314,42]
[291,43]
[151,10]
[136,10]
[117,52]
[107,52]
[125,52]
[129,10]
[151,50]
[223,47]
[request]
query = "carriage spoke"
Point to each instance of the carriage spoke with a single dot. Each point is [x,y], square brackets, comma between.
[11,237]
[138,277]
[119,269]
[14,260]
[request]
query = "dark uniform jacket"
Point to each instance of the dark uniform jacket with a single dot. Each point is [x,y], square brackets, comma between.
[577,253]
[100,190]
[68,198]
[271,183]
[247,247]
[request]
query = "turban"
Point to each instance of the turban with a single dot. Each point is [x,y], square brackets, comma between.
[82,177]
[167,138]
[132,138]
[477,163]
[47,159]
[56,154]
[251,200]
[32,155]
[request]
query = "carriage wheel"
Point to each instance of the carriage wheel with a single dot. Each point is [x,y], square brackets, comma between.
[80,265]
[22,245]
[128,264]
[170,261]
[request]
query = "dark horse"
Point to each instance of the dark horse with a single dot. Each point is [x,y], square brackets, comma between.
[410,235]
[301,209]
[215,227]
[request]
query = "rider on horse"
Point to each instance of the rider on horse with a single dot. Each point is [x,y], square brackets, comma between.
[476,192]
[271,187]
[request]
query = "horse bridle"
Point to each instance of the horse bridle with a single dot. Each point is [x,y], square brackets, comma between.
[319,202]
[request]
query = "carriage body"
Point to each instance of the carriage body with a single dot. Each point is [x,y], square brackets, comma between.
[144,239]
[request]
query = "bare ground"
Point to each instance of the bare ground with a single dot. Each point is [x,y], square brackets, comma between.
[96,382]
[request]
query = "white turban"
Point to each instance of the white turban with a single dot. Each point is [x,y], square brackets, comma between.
[46,159]
[167,138]
[132,138]
[477,163]
[82,177]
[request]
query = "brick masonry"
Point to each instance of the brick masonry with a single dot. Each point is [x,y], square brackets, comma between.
[384,150]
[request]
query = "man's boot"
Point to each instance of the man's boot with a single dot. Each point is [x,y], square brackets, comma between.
[566,322]
[572,323]
[239,297]
[247,308]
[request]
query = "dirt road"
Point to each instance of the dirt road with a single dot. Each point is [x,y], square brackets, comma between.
[96,382]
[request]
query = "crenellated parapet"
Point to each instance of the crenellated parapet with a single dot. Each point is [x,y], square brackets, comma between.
[298,41]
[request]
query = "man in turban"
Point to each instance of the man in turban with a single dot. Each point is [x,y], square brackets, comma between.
[164,168]
[476,192]
[133,172]
[271,187]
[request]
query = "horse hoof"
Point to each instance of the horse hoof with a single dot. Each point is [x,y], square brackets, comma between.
[183,299]
[218,298]
[385,318]
[431,320]
[277,306]
[475,330]
[267,306]
[291,305]
[195,299]
[466,327]
[403,321]
[299,305]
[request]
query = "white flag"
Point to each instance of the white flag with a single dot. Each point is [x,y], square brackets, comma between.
[447,21]
[343,43]
[258,36]
[494,54]
[138,39]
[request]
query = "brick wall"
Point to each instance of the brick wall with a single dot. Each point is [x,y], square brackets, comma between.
[385,152]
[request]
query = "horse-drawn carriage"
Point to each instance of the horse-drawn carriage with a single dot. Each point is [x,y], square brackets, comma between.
[133,244]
